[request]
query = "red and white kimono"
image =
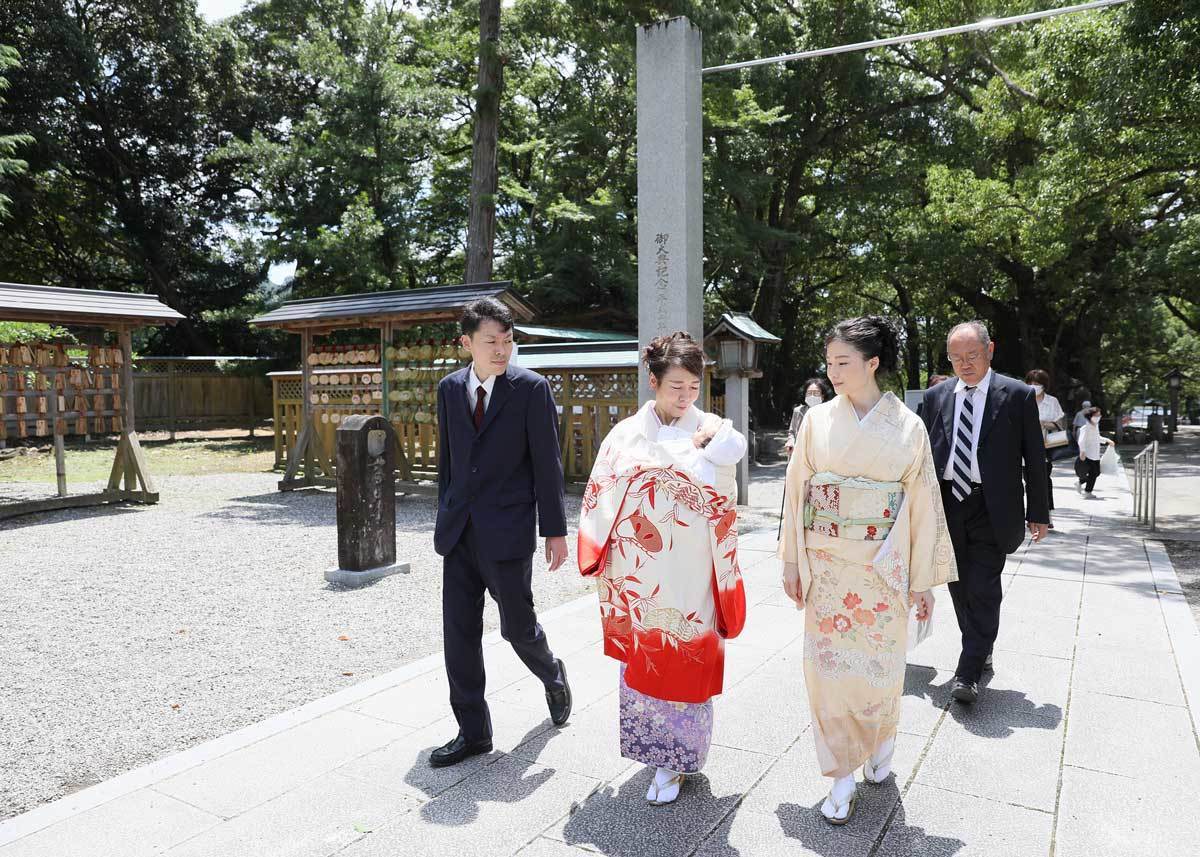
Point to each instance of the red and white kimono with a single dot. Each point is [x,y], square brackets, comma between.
[659,527]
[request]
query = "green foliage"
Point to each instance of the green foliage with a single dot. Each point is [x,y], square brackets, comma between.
[9,143]
[1042,178]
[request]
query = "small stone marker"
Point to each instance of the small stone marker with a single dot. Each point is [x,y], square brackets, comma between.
[366,501]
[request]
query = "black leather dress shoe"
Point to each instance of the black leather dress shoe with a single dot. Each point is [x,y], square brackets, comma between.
[965,691]
[559,701]
[457,750]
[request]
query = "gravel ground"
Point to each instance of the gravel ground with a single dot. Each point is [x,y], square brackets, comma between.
[130,633]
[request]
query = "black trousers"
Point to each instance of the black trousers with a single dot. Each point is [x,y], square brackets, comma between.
[1091,472]
[979,589]
[467,572]
[1050,479]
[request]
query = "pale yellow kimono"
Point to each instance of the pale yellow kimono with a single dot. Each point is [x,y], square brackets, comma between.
[856,589]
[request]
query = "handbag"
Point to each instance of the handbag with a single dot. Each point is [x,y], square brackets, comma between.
[1055,439]
[1080,469]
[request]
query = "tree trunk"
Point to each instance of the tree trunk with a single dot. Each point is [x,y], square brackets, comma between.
[481,227]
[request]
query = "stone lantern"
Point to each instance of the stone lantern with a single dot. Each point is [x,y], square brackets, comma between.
[736,341]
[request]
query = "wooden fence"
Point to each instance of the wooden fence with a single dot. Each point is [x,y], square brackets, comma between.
[590,402]
[181,393]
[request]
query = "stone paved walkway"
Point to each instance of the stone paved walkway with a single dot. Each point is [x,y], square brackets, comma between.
[1084,743]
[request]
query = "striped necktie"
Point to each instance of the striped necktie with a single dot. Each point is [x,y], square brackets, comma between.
[963,434]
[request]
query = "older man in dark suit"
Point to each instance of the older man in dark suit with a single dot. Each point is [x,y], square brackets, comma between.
[985,434]
[498,470]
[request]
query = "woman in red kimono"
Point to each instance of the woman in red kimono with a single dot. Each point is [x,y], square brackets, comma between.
[659,529]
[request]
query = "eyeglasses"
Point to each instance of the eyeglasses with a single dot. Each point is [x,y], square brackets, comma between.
[966,358]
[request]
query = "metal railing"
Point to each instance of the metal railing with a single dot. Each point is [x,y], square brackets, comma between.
[1145,484]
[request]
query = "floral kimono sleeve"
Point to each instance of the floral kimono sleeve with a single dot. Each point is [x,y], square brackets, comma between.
[799,471]
[931,554]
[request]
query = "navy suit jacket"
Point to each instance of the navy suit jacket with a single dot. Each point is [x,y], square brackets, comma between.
[497,476]
[1010,442]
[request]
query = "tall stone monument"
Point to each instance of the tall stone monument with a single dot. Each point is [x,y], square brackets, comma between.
[366,501]
[670,186]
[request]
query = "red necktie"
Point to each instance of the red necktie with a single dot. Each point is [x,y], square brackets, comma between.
[479,394]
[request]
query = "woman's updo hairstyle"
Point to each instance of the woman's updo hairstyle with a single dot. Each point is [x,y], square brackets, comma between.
[678,349]
[871,336]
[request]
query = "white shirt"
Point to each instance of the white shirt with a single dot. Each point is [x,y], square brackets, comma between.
[473,384]
[1089,440]
[1049,410]
[978,400]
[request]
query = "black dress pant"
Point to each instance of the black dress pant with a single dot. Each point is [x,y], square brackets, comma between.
[1091,471]
[467,572]
[979,588]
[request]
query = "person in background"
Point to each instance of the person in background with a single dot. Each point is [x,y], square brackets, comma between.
[1088,466]
[1051,415]
[934,380]
[983,428]
[816,391]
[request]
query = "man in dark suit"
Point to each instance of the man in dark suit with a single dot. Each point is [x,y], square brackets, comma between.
[498,461]
[985,433]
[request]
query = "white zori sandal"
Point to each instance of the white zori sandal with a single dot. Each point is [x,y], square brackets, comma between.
[839,805]
[879,766]
[664,788]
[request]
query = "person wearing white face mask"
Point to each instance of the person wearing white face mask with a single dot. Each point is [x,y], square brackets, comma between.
[1087,468]
[1051,415]
[816,392]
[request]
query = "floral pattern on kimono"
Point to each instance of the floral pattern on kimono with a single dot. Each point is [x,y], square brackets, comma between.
[664,546]
[856,590]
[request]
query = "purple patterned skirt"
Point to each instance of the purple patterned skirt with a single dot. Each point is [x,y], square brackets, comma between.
[672,735]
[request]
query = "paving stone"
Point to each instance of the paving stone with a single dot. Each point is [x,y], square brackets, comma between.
[764,713]
[1050,636]
[965,761]
[314,820]
[1106,629]
[772,628]
[592,674]
[939,823]
[1130,736]
[1038,595]
[1027,685]
[543,847]
[784,834]
[925,697]
[245,778]
[590,743]
[742,660]
[1124,671]
[616,820]
[1108,815]
[497,810]
[143,822]
[403,764]
[794,788]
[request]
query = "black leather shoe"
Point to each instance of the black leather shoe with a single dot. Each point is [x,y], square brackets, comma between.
[559,701]
[965,691]
[457,750]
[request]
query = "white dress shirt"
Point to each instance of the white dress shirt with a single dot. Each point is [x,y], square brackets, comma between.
[1049,409]
[978,401]
[473,384]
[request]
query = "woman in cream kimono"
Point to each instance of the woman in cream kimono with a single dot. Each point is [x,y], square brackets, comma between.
[864,538]
[659,528]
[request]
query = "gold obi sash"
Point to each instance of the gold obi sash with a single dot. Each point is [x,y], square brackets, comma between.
[851,507]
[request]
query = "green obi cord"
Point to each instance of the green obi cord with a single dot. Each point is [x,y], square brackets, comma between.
[851,507]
